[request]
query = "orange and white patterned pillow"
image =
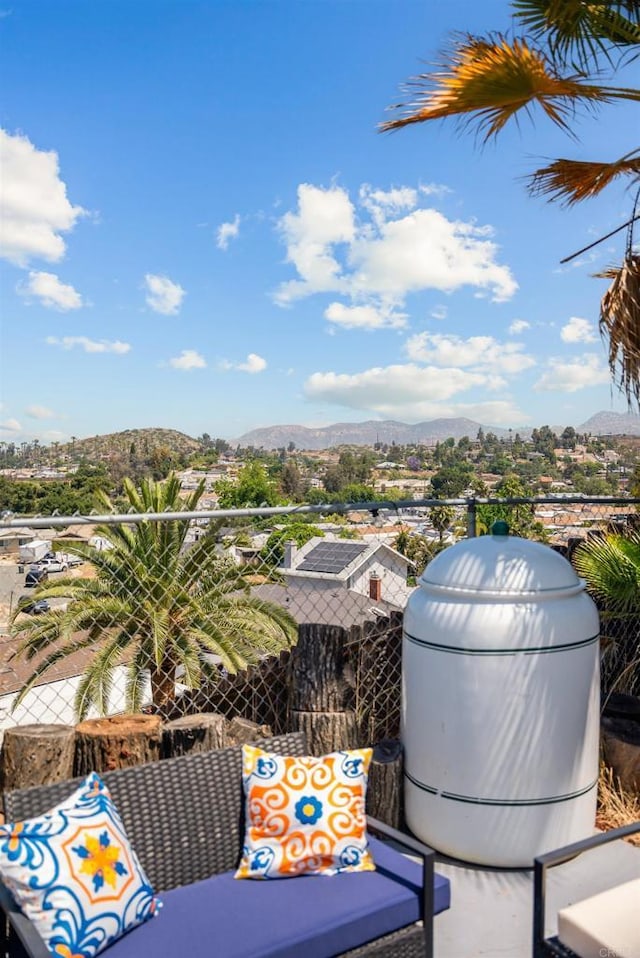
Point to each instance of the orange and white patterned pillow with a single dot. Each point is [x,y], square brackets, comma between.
[305,816]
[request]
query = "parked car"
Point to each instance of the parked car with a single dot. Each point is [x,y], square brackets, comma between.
[34,577]
[73,560]
[37,607]
[55,564]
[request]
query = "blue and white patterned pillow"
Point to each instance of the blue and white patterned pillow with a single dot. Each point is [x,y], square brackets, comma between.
[74,874]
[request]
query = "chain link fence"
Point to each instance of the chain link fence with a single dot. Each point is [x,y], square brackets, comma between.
[190,612]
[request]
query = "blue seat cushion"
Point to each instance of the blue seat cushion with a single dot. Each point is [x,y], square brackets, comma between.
[312,916]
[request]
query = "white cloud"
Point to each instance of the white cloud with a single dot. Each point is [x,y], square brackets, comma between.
[253,364]
[324,218]
[51,292]
[439,312]
[569,377]
[40,412]
[10,426]
[188,359]
[163,295]
[518,326]
[89,345]
[384,203]
[34,207]
[397,385]
[364,317]
[578,331]
[425,250]
[409,391]
[481,352]
[227,232]
[434,189]
[381,260]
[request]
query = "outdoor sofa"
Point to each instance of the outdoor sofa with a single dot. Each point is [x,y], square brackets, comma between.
[606,925]
[184,817]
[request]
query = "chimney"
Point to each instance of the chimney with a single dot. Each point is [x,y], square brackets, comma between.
[290,549]
[375,587]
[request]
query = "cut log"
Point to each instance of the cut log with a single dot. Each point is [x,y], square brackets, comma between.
[326,731]
[241,730]
[194,733]
[621,751]
[321,674]
[121,741]
[384,789]
[37,755]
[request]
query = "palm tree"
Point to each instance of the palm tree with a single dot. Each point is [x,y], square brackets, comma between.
[556,64]
[611,566]
[155,605]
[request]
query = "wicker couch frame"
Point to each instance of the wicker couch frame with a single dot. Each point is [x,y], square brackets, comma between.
[552,947]
[194,805]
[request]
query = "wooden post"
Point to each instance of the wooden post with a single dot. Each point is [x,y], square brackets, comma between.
[241,730]
[322,689]
[384,789]
[37,755]
[105,744]
[194,733]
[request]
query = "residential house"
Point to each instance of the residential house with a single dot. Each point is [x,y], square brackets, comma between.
[372,569]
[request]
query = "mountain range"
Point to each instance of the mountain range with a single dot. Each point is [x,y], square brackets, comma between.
[387,431]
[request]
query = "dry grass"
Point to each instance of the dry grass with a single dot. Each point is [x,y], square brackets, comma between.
[615,806]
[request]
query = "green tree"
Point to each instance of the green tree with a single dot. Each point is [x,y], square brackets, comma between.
[418,549]
[252,489]
[299,532]
[449,482]
[441,518]
[520,517]
[153,607]
[292,481]
[559,57]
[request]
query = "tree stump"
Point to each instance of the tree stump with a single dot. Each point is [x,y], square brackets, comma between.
[322,694]
[326,731]
[37,755]
[321,674]
[194,733]
[121,741]
[384,789]
[621,751]
[241,730]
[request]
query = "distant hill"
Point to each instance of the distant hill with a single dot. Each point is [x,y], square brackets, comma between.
[612,424]
[364,433]
[145,440]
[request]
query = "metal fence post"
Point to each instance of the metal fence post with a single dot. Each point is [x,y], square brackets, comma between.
[471,518]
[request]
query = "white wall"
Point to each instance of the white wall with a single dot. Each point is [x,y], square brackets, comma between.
[393,573]
[53,703]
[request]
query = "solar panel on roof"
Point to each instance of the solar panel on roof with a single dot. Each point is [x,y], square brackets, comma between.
[331,556]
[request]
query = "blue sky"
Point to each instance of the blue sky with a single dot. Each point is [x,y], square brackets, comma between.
[204,231]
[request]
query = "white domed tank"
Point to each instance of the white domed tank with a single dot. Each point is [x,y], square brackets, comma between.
[501,689]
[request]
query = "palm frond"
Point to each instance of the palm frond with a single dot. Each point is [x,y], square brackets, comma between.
[586,30]
[620,324]
[495,78]
[572,181]
[611,567]
[50,660]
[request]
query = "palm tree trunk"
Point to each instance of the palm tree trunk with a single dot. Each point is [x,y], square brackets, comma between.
[163,683]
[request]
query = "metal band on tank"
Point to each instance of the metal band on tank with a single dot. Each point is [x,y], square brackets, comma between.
[501,802]
[534,650]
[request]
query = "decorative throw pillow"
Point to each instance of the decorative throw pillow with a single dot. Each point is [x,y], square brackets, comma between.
[74,874]
[304,815]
